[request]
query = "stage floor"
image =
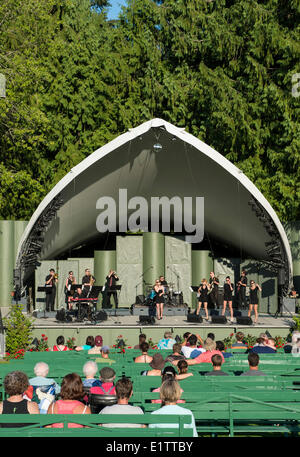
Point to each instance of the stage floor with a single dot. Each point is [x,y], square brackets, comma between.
[265,321]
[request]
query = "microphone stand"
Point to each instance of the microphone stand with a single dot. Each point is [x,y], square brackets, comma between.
[178,277]
[143,281]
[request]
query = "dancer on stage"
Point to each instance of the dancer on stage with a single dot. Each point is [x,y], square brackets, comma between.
[214,286]
[111,280]
[228,289]
[254,288]
[203,297]
[159,299]
[50,284]
[242,284]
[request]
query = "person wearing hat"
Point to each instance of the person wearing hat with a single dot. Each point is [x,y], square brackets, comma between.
[157,365]
[205,357]
[105,356]
[98,345]
[107,377]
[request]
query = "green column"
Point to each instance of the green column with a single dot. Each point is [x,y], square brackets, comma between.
[202,265]
[7,261]
[103,262]
[153,257]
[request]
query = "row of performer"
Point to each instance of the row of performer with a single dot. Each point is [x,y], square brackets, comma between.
[208,290]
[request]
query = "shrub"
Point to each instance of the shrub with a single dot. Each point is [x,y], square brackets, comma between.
[18,332]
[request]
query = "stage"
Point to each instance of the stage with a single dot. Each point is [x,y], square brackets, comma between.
[129,326]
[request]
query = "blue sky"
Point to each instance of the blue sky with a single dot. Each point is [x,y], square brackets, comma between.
[115,9]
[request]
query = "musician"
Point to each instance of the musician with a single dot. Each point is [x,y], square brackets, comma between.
[228,289]
[87,283]
[214,286]
[110,289]
[159,299]
[254,288]
[68,289]
[242,284]
[203,297]
[50,284]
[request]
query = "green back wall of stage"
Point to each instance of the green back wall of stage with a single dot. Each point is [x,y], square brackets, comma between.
[10,235]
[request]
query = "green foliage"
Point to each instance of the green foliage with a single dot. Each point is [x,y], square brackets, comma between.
[221,69]
[18,331]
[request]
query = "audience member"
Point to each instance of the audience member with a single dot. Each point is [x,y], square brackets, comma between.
[296,347]
[98,345]
[217,366]
[253,360]
[220,346]
[89,370]
[287,348]
[124,390]
[239,344]
[41,371]
[168,373]
[144,357]
[142,339]
[60,344]
[211,336]
[71,393]
[15,384]
[175,356]
[186,336]
[106,387]
[105,356]
[261,347]
[166,342]
[206,356]
[170,393]
[192,348]
[182,368]
[157,365]
[89,343]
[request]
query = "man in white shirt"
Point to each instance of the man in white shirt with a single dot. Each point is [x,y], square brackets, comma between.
[187,350]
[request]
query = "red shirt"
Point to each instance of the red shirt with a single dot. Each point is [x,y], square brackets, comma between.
[106,387]
[206,356]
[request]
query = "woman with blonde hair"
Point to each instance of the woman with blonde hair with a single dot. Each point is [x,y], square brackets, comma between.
[203,297]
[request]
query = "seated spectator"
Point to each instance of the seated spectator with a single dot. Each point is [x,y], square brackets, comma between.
[217,366]
[271,344]
[106,387]
[168,373]
[105,356]
[157,365]
[221,347]
[142,339]
[192,348]
[144,358]
[124,390]
[261,347]
[170,393]
[239,341]
[166,342]
[253,360]
[211,336]
[98,345]
[186,336]
[41,371]
[205,357]
[89,370]
[288,345]
[60,344]
[296,348]
[182,367]
[175,356]
[89,343]
[71,394]
[15,384]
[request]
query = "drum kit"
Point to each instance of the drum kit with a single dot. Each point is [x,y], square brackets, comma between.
[172,297]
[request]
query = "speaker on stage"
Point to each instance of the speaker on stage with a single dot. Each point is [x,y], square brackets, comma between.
[62,316]
[218,320]
[101,315]
[140,299]
[147,320]
[244,320]
[194,318]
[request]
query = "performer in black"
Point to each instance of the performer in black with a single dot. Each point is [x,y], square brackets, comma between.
[50,284]
[254,288]
[87,283]
[241,290]
[159,299]
[203,297]
[214,286]
[110,289]
[67,289]
[164,283]
[228,289]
